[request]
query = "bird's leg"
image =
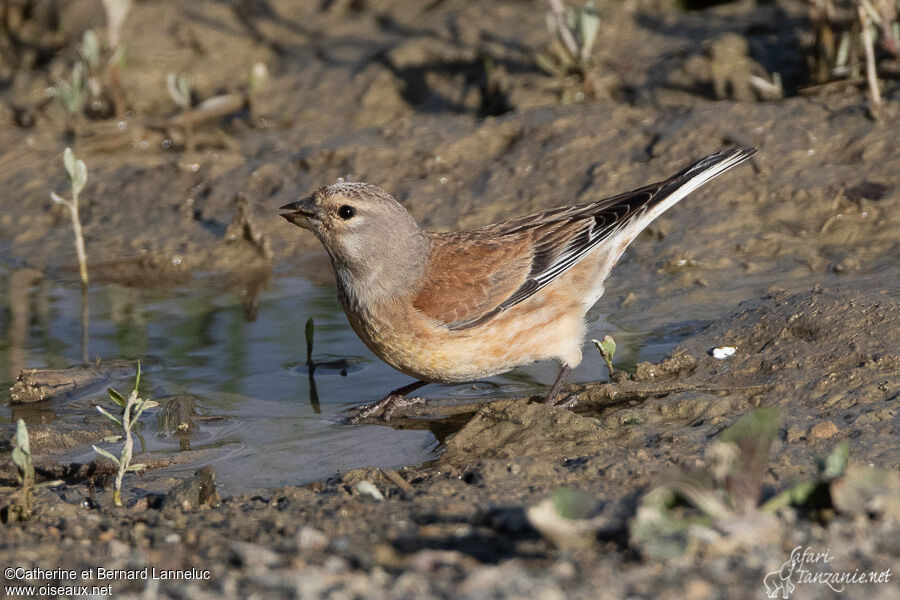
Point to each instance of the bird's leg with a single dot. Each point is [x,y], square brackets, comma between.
[387,405]
[557,385]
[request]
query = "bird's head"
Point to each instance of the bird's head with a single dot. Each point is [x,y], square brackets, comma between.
[361,226]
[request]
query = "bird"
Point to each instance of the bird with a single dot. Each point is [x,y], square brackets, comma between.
[460,306]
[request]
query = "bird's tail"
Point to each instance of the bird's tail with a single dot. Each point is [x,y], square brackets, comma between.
[680,185]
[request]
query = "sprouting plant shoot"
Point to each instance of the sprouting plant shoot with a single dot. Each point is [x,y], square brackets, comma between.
[90,49]
[573,32]
[179,87]
[132,408]
[116,11]
[77,171]
[256,85]
[259,78]
[72,95]
[21,456]
[607,349]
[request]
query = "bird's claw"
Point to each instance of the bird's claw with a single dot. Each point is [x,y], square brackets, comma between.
[568,402]
[384,408]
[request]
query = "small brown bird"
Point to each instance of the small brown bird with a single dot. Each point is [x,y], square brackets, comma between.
[460,306]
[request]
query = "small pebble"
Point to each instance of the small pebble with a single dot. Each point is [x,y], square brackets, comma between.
[368,488]
[823,430]
[723,352]
[311,539]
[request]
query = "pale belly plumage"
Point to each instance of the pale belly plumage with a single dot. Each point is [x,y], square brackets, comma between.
[549,325]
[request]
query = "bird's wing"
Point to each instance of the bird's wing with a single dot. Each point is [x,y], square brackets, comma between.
[469,276]
[477,274]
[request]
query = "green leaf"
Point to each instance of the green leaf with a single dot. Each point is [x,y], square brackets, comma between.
[90,48]
[112,439]
[22,440]
[796,495]
[179,88]
[105,454]
[115,397]
[109,415]
[20,459]
[69,162]
[259,78]
[589,25]
[58,199]
[184,86]
[137,377]
[608,347]
[572,504]
[80,178]
[836,463]
[136,467]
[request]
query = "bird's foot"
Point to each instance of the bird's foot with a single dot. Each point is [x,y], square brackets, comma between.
[566,402]
[384,408]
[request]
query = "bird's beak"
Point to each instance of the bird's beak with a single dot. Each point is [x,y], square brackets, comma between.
[301,213]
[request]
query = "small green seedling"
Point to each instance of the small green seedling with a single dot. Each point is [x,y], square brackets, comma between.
[607,350]
[90,50]
[78,173]
[72,95]
[132,408]
[21,456]
[573,32]
[259,79]
[257,83]
[116,11]
[179,87]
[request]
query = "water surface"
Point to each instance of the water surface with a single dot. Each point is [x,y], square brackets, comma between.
[240,354]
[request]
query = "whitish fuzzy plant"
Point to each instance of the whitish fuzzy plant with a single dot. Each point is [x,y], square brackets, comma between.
[77,172]
[116,11]
[21,456]
[179,87]
[847,33]
[132,408]
[259,79]
[90,49]
[72,95]
[573,32]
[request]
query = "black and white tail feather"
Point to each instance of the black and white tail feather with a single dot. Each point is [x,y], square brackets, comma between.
[583,227]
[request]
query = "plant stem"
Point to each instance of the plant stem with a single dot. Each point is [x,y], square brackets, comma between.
[127,447]
[79,238]
[871,74]
[85,323]
[559,15]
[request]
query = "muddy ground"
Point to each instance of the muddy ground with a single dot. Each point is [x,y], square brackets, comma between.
[441,104]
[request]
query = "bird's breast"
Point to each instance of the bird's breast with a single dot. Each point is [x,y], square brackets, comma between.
[415,344]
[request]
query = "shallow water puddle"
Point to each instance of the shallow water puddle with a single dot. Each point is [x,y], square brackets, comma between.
[245,383]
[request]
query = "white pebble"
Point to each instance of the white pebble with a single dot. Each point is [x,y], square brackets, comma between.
[368,488]
[723,352]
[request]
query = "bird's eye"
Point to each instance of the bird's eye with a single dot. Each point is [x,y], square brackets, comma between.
[346,212]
